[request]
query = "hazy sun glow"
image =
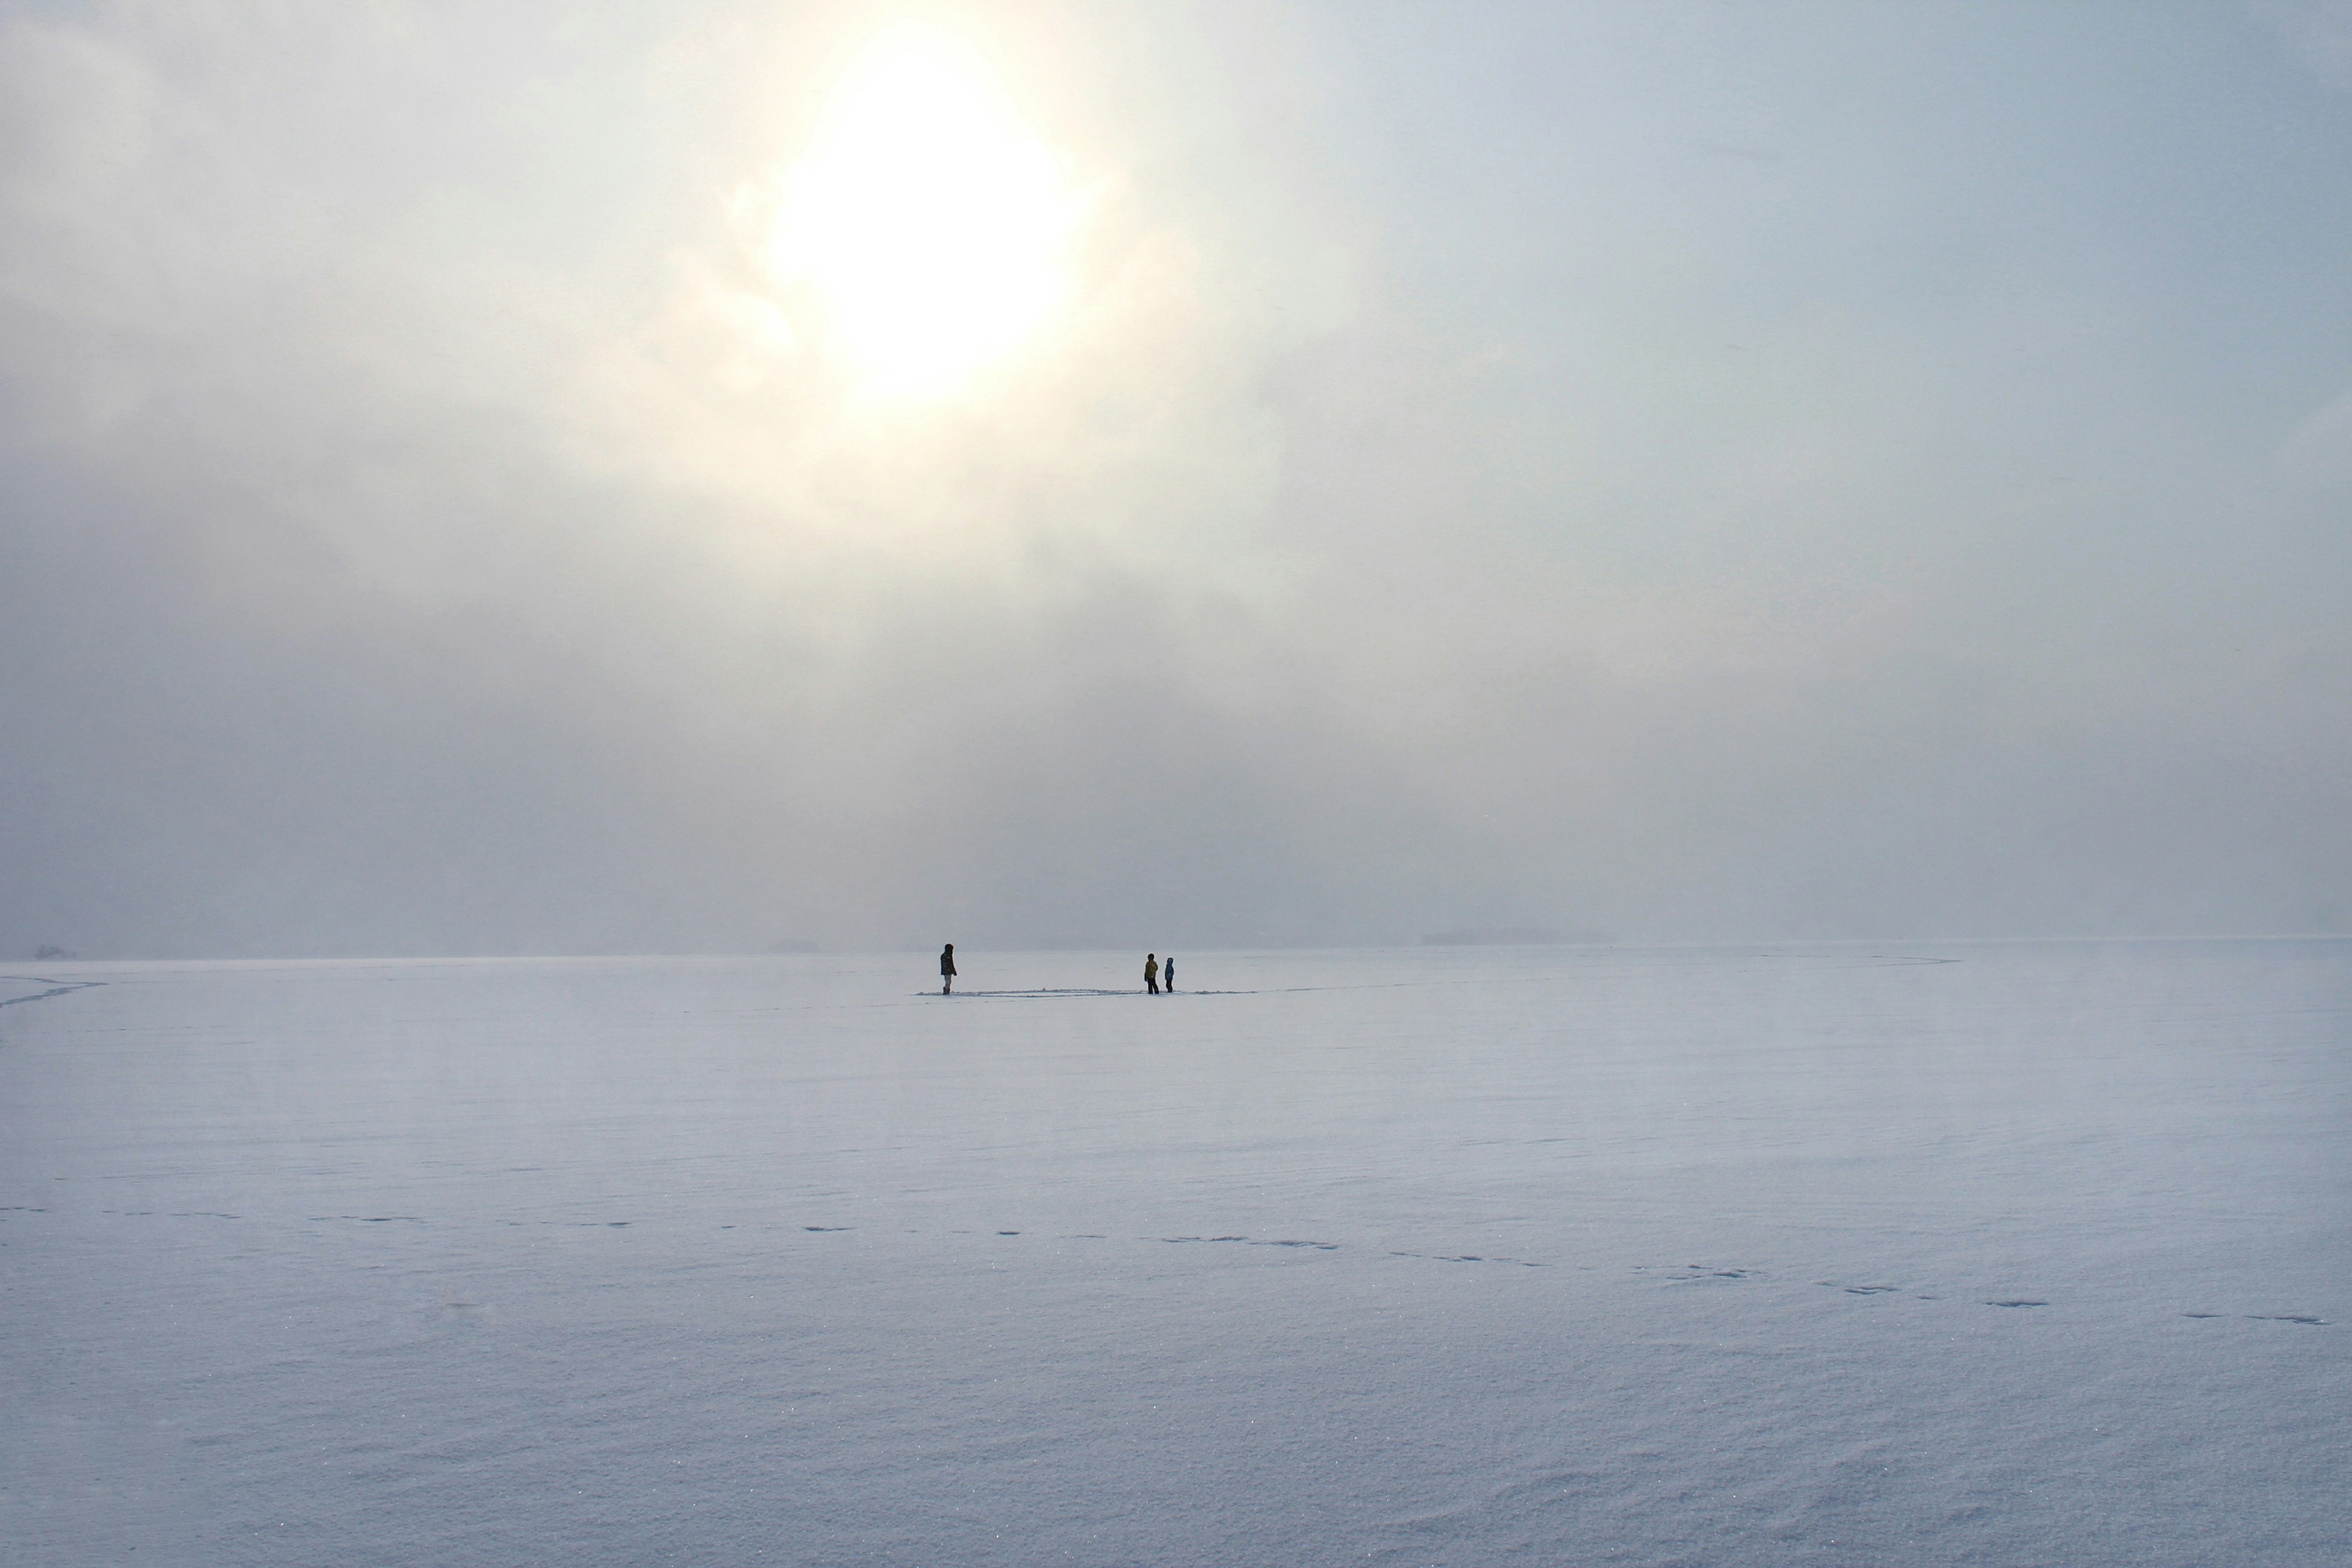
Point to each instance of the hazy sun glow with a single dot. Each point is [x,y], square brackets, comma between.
[925,216]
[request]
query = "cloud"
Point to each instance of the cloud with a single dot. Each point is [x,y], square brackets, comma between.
[434,527]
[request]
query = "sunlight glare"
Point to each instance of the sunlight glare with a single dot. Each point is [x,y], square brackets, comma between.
[926,217]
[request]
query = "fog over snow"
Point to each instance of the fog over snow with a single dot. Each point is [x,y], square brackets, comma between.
[1715,634]
[493,479]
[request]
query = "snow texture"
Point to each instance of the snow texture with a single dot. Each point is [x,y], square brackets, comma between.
[1987,1254]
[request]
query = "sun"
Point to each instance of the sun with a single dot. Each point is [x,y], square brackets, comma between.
[925,223]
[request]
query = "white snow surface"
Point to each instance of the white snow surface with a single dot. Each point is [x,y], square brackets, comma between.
[1999,1254]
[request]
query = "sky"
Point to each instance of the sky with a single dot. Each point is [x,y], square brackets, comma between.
[670,478]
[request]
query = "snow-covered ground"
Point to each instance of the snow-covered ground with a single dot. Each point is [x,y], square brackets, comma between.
[1868,1254]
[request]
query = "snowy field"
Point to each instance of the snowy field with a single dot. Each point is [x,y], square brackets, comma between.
[1869,1255]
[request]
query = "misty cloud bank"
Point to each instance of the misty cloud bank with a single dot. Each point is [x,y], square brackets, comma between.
[1687,473]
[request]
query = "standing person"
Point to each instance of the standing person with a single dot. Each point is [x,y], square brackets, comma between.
[1152,972]
[947,969]
[1168,974]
